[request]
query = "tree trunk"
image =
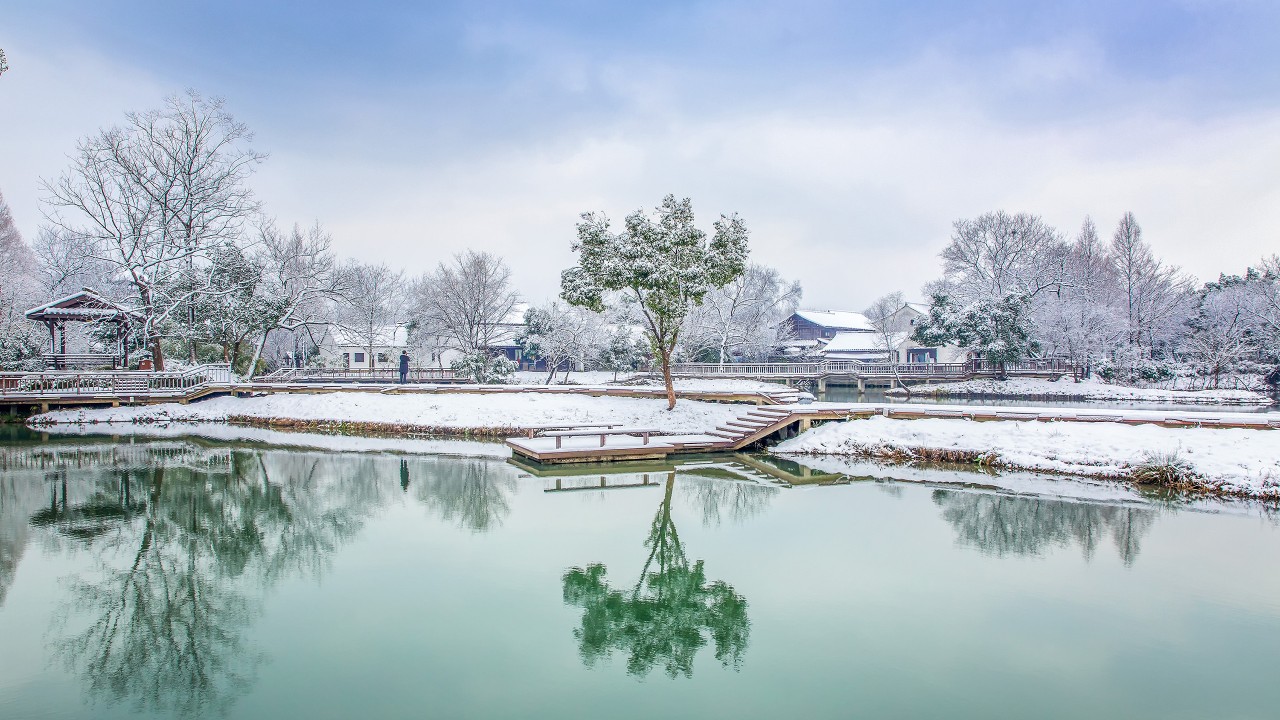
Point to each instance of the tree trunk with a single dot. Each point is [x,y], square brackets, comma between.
[257,353]
[157,355]
[665,357]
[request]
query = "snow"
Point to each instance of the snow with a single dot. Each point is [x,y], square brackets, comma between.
[862,342]
[436,410]
[303,440]
[1090,389]
[840,319]
[1233,460]
[605,378]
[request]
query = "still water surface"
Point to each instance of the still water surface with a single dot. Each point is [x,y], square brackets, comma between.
[189,578]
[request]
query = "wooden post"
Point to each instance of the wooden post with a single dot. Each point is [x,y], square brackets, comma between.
[805,424]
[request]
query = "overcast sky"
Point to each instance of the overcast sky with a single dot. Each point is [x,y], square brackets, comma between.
[848,135]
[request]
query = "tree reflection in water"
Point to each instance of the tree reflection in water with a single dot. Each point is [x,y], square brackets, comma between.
[665,618]
[1003,525]
[159,620]
[473,494]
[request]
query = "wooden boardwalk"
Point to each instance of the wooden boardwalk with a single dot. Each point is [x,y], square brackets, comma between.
[44,391]
[778,422]
[853,372]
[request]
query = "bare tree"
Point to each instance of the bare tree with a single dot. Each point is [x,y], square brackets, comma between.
[883,313]
[1222,330]
[1155,295]
[997,254]
[558,332]
[153,198]
[1081,319]
[744,317]
[466,300]
[18,291]
[299,278]
[373,304]
[69,263]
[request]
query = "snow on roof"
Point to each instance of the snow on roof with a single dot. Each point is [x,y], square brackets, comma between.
[83,304]
[922,308]
[385,336]
[839,319]
[516,316]
[861,342]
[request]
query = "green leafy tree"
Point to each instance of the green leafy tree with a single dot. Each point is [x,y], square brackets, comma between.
[669,613]
[999,330]
[662,264]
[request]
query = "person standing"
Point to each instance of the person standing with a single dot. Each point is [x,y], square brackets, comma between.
[404,366]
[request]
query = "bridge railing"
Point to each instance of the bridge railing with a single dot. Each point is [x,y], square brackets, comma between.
[383,375]
[108,382]
[854,367]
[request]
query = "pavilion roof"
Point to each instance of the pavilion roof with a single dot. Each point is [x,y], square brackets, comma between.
[81,306]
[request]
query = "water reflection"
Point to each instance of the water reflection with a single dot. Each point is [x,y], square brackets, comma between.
[474,495]
[1003,525]
[178,541]
[667,616]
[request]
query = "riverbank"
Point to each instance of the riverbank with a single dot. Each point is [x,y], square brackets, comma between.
[460,415]
[1217,461]
[1086,390]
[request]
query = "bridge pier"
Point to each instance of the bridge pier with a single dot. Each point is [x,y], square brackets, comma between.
[822,386]
[862,385]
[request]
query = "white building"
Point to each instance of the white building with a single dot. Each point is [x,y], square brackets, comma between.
[347,349]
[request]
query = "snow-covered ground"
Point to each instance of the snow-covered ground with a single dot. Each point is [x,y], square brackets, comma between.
[633,380]
[1087,390]
[436,410]
[1232,460]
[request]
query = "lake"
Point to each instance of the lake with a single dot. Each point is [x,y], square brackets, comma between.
[183,577]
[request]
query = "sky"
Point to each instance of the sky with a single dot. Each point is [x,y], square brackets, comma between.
[848,135]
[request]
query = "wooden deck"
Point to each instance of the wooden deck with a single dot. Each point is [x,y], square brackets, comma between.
[782,421]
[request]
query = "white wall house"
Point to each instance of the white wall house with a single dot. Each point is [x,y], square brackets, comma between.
[342,348]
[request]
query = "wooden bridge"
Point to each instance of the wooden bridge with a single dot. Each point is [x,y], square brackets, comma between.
[43,391]
[853,372]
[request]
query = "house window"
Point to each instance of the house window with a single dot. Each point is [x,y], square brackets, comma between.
[359,357]
[382,357]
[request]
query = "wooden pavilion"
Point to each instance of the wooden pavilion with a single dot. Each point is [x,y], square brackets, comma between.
[89,307]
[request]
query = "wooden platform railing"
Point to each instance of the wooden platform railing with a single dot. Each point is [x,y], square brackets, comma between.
[81,361]
[388,374]
[876,369]
[112,382]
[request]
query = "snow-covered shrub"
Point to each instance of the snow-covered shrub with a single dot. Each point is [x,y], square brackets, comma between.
[1166,469]
[479,367]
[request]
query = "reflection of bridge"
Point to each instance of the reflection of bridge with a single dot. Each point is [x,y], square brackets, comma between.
[739,467]
[853,372]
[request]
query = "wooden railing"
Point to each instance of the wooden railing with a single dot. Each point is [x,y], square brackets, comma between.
[877,369]
[82,361]
[381,375]
[109,382]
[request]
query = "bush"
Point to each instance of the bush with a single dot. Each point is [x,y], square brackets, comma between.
[1167,470]
[484,369]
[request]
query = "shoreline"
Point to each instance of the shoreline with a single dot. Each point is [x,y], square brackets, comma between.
[1085,391]
[1217,462]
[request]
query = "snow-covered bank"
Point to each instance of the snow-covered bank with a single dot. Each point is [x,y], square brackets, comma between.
[1229,461]
[427,411]
[1032,388]
[595,377]
[219,432]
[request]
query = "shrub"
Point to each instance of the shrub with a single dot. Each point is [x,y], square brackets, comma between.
[1168,470]
[483,369]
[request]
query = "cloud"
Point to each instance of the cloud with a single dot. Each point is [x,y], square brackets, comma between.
[848,169]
